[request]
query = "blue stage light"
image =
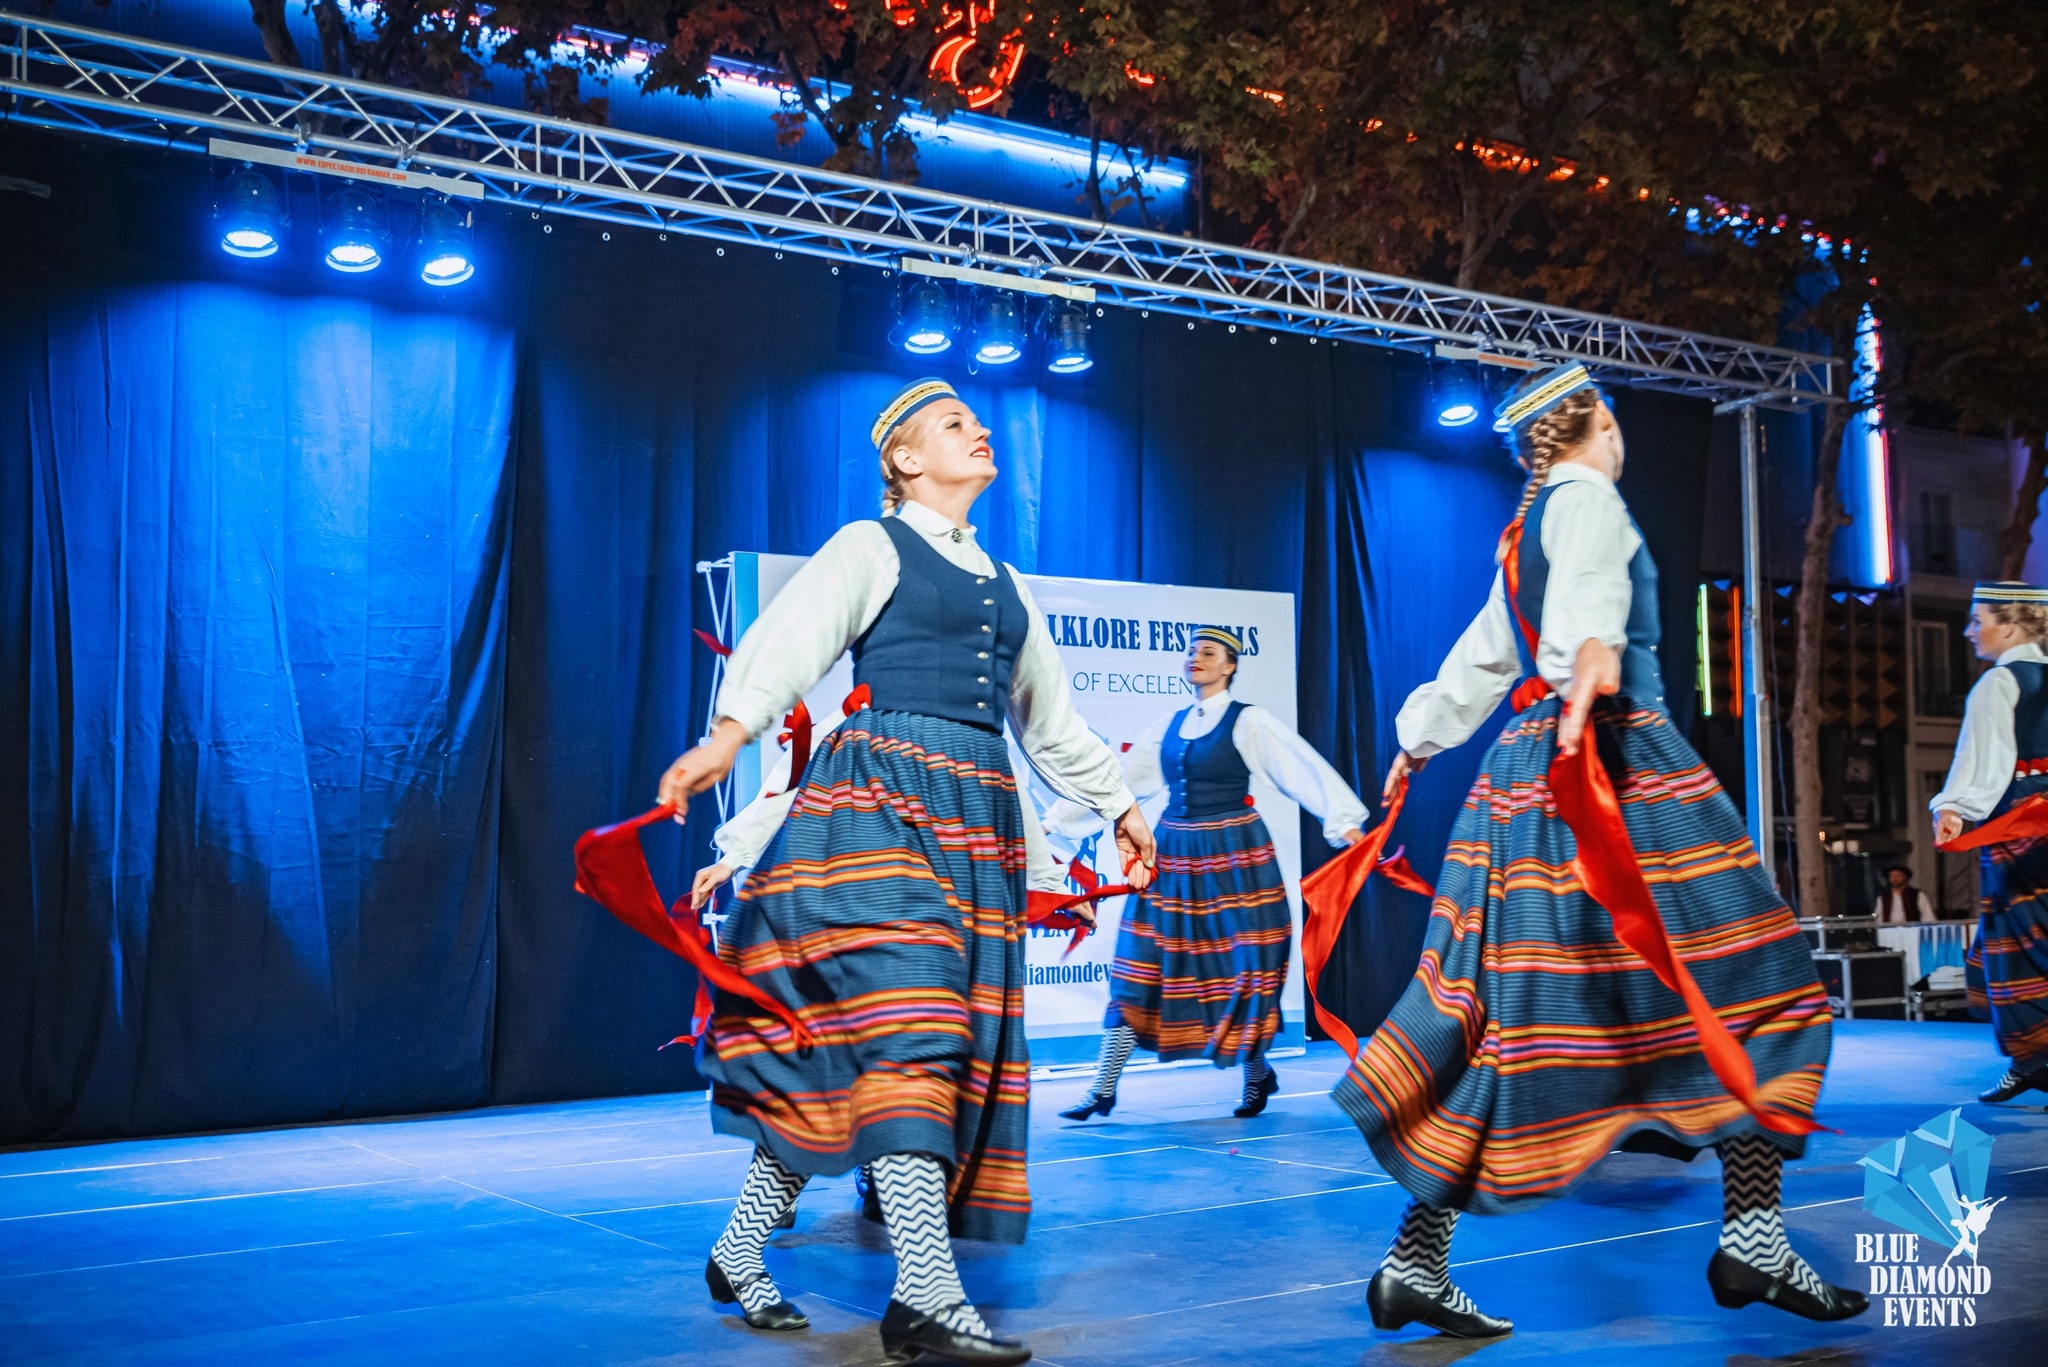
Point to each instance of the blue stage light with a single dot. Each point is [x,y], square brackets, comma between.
[355,231]
[1066,338]
[251,214]
[998,328]
[445,254]
[925,319]
[1456,397]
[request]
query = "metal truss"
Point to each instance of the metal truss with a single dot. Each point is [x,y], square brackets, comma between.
[87,81]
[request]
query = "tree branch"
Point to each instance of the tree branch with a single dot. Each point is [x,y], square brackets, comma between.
[278,44]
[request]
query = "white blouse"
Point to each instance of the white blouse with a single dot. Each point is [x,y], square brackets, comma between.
[1987,751]
[1589,540]
[739,842]
[838,594]
[1271,751]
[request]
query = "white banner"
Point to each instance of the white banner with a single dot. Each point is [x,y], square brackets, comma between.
[1123,645]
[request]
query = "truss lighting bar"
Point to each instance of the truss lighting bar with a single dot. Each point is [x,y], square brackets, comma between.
[85,81]
[974,275]
[347,170]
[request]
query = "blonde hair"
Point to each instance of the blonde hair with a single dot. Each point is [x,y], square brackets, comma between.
[1551,437]
[2032,618]
[906,435]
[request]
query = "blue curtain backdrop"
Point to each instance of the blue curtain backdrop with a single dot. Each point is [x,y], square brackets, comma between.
[333,608]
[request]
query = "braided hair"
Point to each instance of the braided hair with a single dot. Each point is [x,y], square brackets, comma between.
[1542,443]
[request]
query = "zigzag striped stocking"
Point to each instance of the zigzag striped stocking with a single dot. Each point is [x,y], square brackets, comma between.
[1117,1043]
[770,1190]
[1753,1211]
[912,1187]
[1421,1255]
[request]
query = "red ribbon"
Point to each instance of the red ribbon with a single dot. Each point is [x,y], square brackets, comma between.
[2027,821]
[712,643]
[797,736]
[1052,910]
[611,869]
[1326,898]
[1607,868]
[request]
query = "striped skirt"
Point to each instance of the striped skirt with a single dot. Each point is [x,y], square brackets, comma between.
[1202,953]
[888,912]
[1531,1041]
[2007,966]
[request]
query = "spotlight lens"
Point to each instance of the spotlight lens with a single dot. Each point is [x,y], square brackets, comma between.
[1457,414]
[254,243]
[1070,365]
[927,342]
[448,269]
[354,257]
[998,353]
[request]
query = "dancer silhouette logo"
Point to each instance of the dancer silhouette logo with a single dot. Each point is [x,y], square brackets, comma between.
[1929,1183]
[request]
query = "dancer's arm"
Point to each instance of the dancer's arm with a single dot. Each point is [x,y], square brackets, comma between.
[1443,713]
[1986,752]
[739,842]
[1589,540]
[1289,763]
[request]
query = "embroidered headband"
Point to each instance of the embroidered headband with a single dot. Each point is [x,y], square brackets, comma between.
[1222,636]
[1541,393]
[2009,591]
[916,395]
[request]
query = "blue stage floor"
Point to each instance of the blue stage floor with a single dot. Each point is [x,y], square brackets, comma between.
[1172,1234]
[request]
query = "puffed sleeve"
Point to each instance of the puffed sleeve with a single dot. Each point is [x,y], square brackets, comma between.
[1289,763]
[1589,541]
[739,842]
[1985,752]
[1482,666]
[823,609]
[1142,771]
[1050,732]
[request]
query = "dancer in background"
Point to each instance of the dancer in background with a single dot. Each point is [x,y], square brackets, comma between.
[1536,1035]
[887,912]
[1202,954]
[2001,760]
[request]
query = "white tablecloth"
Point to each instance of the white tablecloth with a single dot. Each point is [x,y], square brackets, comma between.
[1928,946]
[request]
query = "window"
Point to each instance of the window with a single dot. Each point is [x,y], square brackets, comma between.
[1937,549]
[1940,673]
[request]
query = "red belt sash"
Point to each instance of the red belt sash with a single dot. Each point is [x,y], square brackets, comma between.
[2028,820]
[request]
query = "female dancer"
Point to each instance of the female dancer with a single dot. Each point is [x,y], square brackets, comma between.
[888,910]
[1202,955]
[1536,1036]
[2002,759]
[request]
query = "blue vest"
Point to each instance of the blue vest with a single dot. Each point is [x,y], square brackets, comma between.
[1205,776]
[946,642]
[2029,733]
[1642,678]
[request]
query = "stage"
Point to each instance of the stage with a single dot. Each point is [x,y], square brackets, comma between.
[1172,1233]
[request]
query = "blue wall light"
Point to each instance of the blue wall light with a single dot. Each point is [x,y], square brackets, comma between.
[1066,338]
[924,318]
[998,328]
[355,231]
[251,215]
[446,256]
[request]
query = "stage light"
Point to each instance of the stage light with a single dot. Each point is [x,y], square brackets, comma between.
[355,231]
[445,257]
[924,315]
[1066,339]
[998,328]
[251,213]
[1456,396]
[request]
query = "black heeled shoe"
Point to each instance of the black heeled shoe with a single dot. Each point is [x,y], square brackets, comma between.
[781,1316]
[1268,1085]
[870,1199]
[1090,1105]
[788,1220]
[2013,1083]
[909,1334]
[1394,1303]
[1736,1284]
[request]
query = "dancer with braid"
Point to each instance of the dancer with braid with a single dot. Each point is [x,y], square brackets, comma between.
[887,912]
[1201,956]
[1544,1028]
[2001,761]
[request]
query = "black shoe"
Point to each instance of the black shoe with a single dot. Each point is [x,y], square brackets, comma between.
[1736,1284]
[1256,1102]
[1090,1105]
[781,1315]
[909,1334]
[1394,1303]
[2013,1083]
[788,1220]
[870,1199]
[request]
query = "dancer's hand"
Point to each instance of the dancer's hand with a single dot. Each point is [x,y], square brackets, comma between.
[1354,836]
[1947,826]
[695,770]
[708,880]
[1404,764]
[1596,673]
[1134,843]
